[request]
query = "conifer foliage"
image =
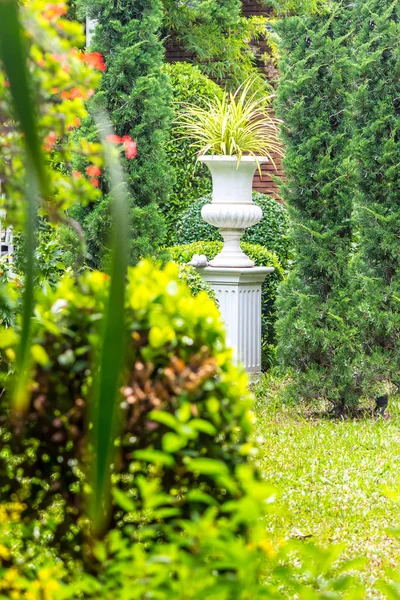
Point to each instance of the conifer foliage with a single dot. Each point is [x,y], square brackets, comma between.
[317,339]
[136,94]
[377,204]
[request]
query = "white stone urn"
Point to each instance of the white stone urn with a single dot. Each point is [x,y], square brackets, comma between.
[232,209]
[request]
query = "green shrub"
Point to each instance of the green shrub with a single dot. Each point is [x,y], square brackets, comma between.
[261,257]
[10,284]
[184,407]
[195,281]
[137,97]
[49,255]
[206,560]
[192,179]
[146,233]
[271,232]
[376,108]
[318,336]
[217,34]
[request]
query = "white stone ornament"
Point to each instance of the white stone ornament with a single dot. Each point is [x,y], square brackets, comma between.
[91,25]
[238,293]
[232,275]
[232,209]
[199,261]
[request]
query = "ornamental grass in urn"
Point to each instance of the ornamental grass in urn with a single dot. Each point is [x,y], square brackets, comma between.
[233,135]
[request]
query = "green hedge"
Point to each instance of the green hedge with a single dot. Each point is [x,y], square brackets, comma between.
[318,336]
[184,408]
[195,282]
[376,217]
[261,257]
[272,231]
[192,179]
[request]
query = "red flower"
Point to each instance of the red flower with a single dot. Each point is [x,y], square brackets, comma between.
[114,139]
[130,147]
[77,123]
[50,140]
[95,60]
[61,58]
[71,94]
[93,171]
[52,11]
[77,174]
[94,182]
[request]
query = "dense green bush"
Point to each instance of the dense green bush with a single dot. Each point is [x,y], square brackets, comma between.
[272,231]
[261,257]
[194,281]
[206,560]
[376,109]
[10,284]
[317,332]
[145,233]
[217,35]
[137,96]
[192,179]
[184,407]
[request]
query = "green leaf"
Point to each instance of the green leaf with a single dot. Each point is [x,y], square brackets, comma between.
[14,59]
[156,457]
[165,418]
[207,466]
[112,344]
[123,500]
[203,426]
[172,442]
[198,496]
[40,355]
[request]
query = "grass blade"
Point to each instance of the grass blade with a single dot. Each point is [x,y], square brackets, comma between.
[14,58]
[104,410]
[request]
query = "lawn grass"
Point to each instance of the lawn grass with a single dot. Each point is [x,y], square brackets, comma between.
[338,480]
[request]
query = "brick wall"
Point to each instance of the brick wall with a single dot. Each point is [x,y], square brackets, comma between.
[174,53]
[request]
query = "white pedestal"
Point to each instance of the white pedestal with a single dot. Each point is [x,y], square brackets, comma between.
[91,25]
[239,295]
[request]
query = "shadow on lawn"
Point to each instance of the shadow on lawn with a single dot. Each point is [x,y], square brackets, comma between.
[271,398]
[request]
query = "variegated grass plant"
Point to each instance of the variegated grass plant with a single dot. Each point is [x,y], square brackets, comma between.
[238,124]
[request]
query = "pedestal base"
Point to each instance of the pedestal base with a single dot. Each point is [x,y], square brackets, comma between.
[239,295]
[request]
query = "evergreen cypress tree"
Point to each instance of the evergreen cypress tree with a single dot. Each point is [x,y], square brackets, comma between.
[318,339]
[376,108]
[137,96]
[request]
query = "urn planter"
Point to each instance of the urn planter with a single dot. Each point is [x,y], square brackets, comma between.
[232,209]
[232,275]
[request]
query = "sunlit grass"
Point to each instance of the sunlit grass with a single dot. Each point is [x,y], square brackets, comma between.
[338,480]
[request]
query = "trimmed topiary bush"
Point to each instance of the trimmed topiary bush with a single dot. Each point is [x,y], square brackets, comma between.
[271,232]
[137,97]
[186,426]
[262,258]
[146,233]
[195,282]
[376,108]
[192,179]
[316,328]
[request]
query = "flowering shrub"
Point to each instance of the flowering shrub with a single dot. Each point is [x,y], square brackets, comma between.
[261,258]
[185,407]
[64,78]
